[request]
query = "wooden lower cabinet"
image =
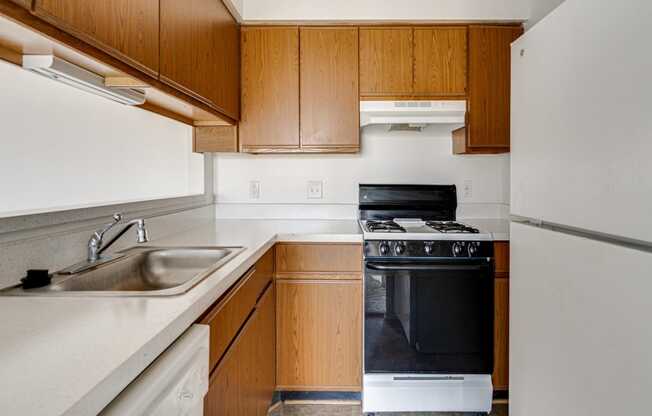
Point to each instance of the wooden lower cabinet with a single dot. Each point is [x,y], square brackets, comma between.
[501,317]
[319,335]
[501,334]
[244,381]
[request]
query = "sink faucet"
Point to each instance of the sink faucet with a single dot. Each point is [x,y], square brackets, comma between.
[96,244]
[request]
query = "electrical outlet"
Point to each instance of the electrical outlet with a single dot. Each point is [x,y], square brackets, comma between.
[467,190]
[315,189]
[254,189]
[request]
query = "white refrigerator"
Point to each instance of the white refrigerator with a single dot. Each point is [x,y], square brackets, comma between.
[581,205]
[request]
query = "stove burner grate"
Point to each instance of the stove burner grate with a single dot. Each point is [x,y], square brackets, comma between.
[451,227]
[385,226]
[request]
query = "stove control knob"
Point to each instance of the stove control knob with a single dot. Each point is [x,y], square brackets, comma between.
[474,248]
[428,248]
[383,248]
[458,249]
[400,248]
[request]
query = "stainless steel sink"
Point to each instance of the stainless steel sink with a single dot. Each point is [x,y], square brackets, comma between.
[140,271]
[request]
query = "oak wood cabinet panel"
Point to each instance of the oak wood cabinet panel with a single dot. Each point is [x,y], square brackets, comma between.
[501,256]
[386,61]
[227,317]
[329,99]
[210,139]
[126,29]
[501,316]
[270,88]
[319,335]
[501,334]
[489,86]
[25,3]
[319,261]
[244,381]
[440,56]
[200,52]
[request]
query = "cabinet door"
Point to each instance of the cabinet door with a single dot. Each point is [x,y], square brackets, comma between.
[501,334]
[200,52]
[243,382]
[126,29]
[319,335]
[270,88]
[489,85]
[386,56]
[440,61]
[329,87]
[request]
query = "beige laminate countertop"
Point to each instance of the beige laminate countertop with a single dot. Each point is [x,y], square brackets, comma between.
[73,355]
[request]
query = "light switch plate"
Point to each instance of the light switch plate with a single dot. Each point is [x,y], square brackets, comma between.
[315,189]
[467,190]
[254,189]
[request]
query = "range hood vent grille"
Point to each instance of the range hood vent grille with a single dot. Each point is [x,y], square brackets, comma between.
[415,114]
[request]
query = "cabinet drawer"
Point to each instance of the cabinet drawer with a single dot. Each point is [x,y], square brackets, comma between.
[319,261]
[228,316]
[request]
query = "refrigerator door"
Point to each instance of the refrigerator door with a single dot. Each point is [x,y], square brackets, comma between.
[581,151]
[580,332]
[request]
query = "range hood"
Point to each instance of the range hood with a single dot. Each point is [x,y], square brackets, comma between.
[59,70]
[411,115]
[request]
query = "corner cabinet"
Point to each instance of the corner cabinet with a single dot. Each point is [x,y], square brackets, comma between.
[125,29]
[242,345]
[200,52]
[299,90]
[243,382]
[487,128]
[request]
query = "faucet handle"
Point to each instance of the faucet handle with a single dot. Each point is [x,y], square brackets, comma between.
[117,217]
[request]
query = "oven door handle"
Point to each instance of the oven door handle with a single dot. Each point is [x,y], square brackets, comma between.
[426,267]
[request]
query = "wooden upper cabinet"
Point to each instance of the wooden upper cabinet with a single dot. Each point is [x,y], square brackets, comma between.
[200,52]
[329,100]
[386,60]
[125,29]
[440,55]
[270,88]
[24,3]
[489,85]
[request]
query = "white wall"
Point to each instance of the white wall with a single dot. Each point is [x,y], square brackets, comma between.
[398,157]
[66,148]
[540,9]
[386,10]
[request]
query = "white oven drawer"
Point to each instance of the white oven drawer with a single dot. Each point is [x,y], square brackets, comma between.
[173,385]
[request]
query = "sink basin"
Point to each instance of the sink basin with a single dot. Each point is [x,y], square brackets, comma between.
[141,271]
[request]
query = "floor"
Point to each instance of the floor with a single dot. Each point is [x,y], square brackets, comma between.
[354,410]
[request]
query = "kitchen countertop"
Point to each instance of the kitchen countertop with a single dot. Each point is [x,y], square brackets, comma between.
[499,228]
[73,355]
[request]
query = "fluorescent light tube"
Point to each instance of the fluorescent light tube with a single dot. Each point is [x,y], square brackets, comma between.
[59,70]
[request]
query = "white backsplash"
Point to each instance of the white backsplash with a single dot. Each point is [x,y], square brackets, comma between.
[396,157]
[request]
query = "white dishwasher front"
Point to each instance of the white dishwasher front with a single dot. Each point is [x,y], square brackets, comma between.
[173,385]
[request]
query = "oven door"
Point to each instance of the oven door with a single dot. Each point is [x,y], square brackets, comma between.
[433,316]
